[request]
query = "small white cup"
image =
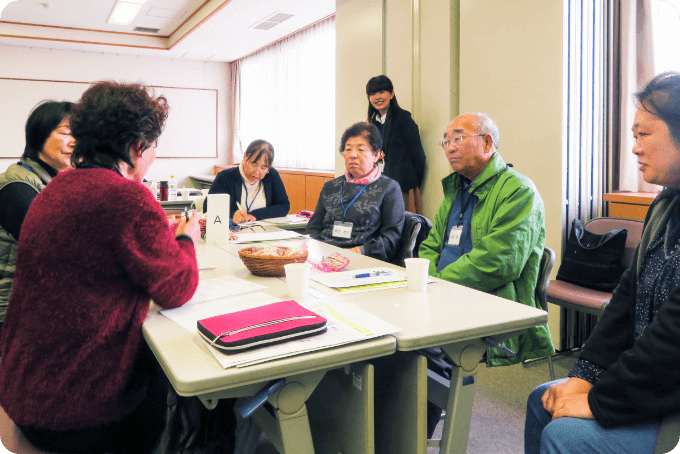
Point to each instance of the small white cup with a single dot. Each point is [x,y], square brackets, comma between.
[416,273]
[297,278]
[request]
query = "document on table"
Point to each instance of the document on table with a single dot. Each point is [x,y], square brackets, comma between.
[363,277]
[346,323]
[291,219]
[242,238]
[188,315]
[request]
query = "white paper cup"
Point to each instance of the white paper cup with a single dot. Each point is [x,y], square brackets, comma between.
[297,277]
[416,273]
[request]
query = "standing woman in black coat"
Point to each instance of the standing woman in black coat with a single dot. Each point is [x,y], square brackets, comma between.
[403,153]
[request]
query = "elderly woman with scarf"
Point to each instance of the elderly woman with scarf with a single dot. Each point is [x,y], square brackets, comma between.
[362,210]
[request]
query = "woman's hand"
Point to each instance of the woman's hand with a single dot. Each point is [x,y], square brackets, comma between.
[243,216]
[191,228]
[568,398]
[356,249]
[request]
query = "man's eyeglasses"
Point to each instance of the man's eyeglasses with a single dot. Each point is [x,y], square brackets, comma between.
[456,140]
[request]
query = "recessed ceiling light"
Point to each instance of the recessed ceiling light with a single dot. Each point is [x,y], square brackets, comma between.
[124,12]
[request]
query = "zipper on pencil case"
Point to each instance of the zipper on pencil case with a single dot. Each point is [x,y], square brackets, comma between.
[261,325]
[265,341]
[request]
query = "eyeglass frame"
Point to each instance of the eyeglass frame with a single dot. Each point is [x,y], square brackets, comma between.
[457,140]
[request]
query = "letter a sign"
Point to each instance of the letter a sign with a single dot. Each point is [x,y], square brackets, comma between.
[217,231]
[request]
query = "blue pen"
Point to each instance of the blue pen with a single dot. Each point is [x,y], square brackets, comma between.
[374,273]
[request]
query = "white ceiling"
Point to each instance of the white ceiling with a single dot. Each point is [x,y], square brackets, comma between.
[211,30]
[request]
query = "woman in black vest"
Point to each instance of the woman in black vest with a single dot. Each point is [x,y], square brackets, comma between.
[403,153]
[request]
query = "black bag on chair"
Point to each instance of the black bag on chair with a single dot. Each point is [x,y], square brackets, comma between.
[591,260]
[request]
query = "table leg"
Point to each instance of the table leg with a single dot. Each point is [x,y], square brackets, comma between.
[287,426]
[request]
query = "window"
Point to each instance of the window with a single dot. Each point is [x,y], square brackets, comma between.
[668,36]
[287,97]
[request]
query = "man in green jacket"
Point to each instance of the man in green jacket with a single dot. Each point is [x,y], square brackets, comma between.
[489,232]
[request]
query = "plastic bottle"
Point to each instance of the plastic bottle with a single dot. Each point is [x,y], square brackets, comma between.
[172,189]
[163,191]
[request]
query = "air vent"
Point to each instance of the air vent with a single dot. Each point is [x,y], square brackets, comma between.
[147,30]
[271,21]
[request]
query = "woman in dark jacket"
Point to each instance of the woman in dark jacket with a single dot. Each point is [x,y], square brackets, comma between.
[48,149]
[403,153]
[256,189]
[627,377]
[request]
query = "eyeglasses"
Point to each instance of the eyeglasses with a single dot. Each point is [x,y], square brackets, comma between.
[255,167]
[456,140]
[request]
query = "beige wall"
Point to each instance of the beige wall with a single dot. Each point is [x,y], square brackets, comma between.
[68,65]
[504,58]
[511,68]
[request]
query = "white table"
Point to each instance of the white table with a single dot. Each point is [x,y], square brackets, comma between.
[447,315]
[193,371]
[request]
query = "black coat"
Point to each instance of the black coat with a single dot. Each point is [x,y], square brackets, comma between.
[404,155]
[229,181]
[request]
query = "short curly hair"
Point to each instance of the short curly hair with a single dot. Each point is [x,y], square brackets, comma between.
[366,130]
[111,118]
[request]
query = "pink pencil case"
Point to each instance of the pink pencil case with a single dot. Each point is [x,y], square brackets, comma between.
[260,326]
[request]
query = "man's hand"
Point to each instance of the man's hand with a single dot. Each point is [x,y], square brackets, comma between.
[356,249]
[568,398]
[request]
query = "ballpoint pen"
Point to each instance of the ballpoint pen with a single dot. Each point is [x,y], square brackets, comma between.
[374,274]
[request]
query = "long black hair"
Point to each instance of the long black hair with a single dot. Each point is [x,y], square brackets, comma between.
[375,85]
[44,118]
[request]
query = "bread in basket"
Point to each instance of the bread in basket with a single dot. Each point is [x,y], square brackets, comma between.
[269,261]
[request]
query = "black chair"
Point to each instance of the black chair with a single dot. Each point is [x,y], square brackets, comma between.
[416,228]
[547,263]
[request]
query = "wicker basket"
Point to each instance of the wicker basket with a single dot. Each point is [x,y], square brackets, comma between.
[268,266]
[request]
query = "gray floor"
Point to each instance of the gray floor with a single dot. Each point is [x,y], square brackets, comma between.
[497,425]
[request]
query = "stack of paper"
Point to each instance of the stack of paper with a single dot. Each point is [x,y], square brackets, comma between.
[346,323]
[364,280]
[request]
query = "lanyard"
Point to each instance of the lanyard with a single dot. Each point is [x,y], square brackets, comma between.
[259,187]
[467,202]
[344,214]
[26,167]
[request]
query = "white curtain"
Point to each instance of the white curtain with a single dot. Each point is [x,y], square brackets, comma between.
[287,97]
[237,140]
[637,68]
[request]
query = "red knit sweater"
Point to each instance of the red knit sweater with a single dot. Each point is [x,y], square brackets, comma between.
[95,248]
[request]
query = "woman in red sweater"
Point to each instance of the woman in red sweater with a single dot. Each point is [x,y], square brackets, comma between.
[95,248]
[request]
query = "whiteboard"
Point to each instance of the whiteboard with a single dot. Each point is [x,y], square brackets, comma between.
[190,130]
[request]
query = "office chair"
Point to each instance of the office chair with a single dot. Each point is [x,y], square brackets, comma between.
[416,228]
[590,301]
[547,263]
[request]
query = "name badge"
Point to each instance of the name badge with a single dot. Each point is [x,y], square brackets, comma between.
[454,235]
[341,229]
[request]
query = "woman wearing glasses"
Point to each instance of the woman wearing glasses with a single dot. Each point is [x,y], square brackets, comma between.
[256,189]
[403,153]
[362,210]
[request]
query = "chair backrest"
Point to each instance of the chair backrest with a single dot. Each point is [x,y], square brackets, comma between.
[634,227]
[547,263]
[416,228]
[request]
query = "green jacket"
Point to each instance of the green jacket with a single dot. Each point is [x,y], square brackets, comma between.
[508,235]
[38,178]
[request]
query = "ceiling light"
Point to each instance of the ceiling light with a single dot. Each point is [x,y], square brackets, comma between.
[124,12]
